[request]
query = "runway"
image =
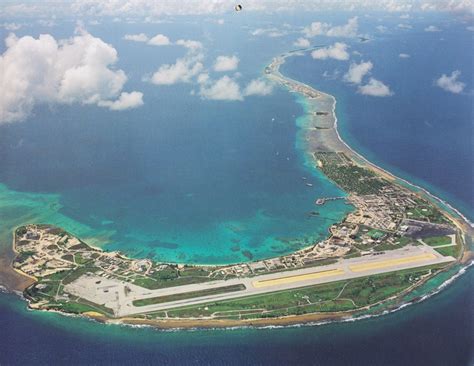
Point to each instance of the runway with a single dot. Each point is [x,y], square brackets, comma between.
[119,295]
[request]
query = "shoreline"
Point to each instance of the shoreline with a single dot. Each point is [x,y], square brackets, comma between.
[313,319]
[462,223]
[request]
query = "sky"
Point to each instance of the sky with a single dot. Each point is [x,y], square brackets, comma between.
[193,7]
[81,69]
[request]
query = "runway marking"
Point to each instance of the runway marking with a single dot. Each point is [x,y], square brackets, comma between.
[391,262]
[297,278]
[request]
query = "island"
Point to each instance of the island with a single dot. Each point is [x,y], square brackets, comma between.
[396,238]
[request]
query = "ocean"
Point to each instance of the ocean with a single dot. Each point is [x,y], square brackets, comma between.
[187,180]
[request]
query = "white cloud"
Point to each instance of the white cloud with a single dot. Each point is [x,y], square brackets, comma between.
[318,28]
[189,44]
[125,101]
[338,51]
[375,88]
[44,70]
[432,28]
[220,21]
[405,16]
[223,89]
[381,28]
[258,87]
[347,30]
[184,69]
[159,40]
[451,83]
[159,9]
[357,72]
[302,43]
[11,26]
[270,32]
[470,28]
[404,26]
[404,55]
[180,72]
[226,63]
[203,78]
[142,37]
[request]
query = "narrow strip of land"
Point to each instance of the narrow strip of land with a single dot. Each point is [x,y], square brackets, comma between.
[126,299]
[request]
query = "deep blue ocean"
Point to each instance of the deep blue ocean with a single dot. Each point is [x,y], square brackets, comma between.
[182,179]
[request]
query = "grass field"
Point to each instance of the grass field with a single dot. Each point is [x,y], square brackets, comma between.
[189,295]
[453,251]
[437,240]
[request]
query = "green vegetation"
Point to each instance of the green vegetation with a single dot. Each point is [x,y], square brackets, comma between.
[21,231]
[23,256]
[397,245]
[154,284]
[331,297]
[426,212]
[351,178]
[189,295]
[193,271]
[453,251]
[80,259]
[437,240]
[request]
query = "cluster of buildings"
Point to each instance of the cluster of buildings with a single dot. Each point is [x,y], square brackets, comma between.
[384,210]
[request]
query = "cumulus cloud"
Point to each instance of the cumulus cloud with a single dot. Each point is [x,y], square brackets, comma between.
[189,44]
[125,101]
[159,40]
[184,69]
[381,28]
[223,89]
[258,87]
[316,29]
[302,43]
[432,28]
[337,51]
[404,55]
[357,72]
[347,30]
[226,63]
[142,37]
[375,88]
[44,70]
[451,83]
[180,72]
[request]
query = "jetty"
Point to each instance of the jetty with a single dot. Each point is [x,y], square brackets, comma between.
[323,200]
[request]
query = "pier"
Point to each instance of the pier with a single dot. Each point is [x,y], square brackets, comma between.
[323,200]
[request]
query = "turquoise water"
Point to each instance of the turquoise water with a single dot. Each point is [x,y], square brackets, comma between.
[180,179]
[126,186]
